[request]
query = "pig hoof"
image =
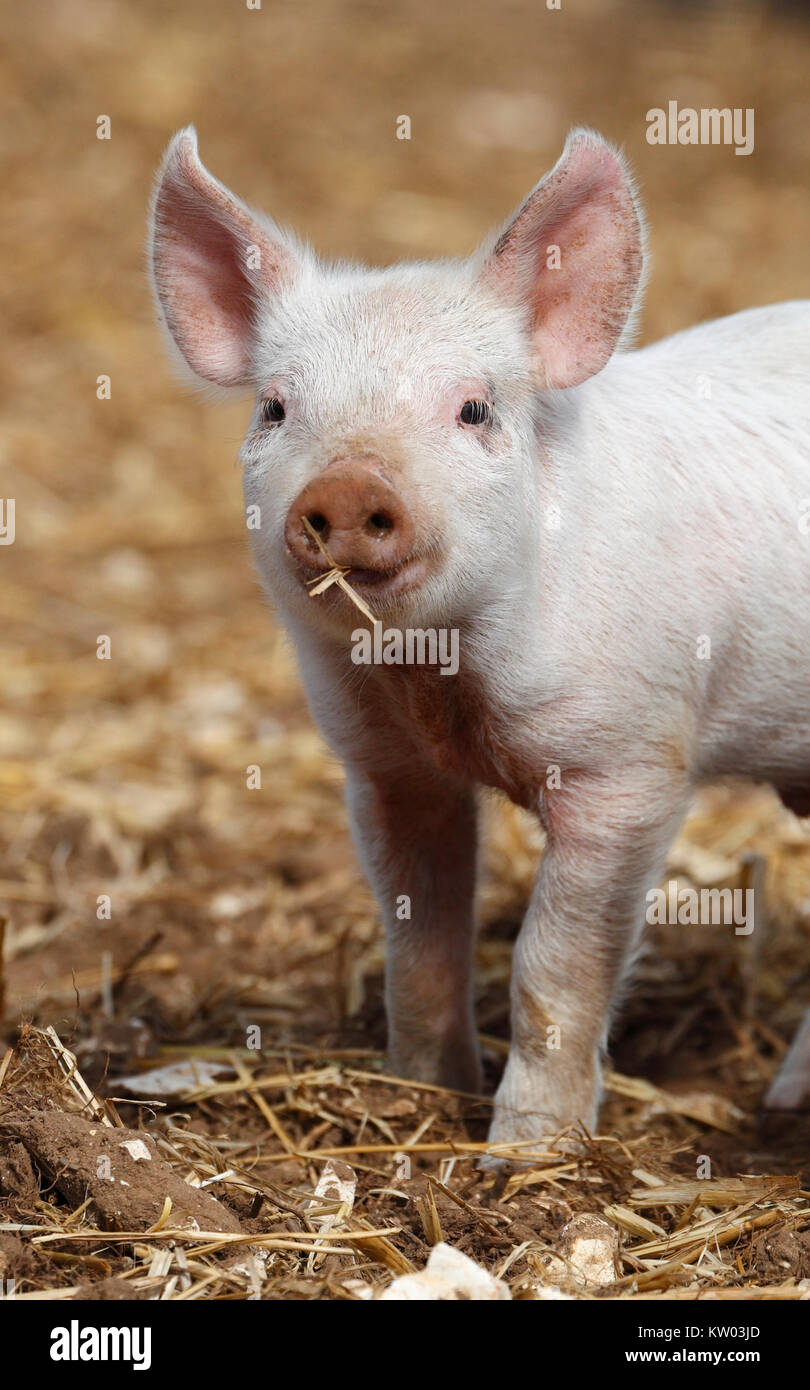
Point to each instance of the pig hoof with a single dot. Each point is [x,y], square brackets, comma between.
[565,1141]
[456,1066]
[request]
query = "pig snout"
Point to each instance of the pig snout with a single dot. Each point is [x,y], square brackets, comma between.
[360,518]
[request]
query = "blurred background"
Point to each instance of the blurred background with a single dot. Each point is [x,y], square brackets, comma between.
[127,777]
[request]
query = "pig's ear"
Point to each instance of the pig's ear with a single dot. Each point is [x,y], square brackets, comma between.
[573,256]
[213,264]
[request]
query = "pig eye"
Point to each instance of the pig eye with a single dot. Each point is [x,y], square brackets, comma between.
[476,413]
[273,411]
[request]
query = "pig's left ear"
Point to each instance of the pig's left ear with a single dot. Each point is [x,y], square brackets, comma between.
[573,255]
[214,265]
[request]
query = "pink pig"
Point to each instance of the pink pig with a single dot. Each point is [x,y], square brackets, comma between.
[620,542]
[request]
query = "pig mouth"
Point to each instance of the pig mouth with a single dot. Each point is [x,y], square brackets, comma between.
[388,583]
[396,581]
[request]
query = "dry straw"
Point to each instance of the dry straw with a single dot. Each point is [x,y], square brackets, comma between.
[282,1209]
[335,575]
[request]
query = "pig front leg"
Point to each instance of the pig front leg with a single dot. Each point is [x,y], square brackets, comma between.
[607,839]
[416,835]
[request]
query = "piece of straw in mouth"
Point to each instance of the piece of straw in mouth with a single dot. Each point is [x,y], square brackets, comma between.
[336,575]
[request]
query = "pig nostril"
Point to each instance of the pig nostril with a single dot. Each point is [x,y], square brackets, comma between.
[318,522]
[379,521]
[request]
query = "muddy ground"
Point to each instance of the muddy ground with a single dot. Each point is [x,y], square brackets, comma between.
[237,916]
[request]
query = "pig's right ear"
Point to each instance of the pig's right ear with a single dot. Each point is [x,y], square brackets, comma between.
[572,257]
[213,264]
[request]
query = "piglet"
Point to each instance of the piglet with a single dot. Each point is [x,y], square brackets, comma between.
[618,540]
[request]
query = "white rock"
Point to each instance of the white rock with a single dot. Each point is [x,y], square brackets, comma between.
[137,1150]
[177,1079]
[588,1249]
[448,1275]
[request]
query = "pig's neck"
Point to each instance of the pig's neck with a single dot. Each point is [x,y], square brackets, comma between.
[472,723]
